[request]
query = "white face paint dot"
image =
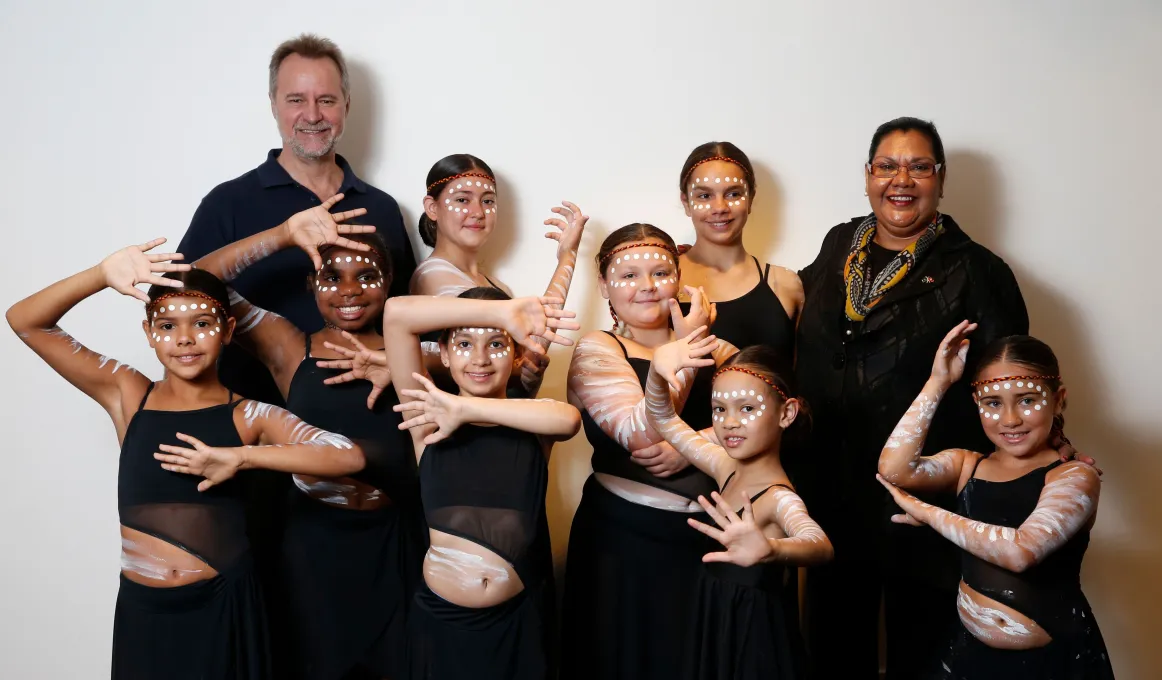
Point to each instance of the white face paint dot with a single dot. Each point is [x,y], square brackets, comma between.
[982,411]
[365,285]
[633,284]
[637,256]
[156,336]
[717,180]
[996,416]
[1045,402]
[203,305]
[201,336]
[1008,386]
[166,338]
[459,186]
[734,394]
[172,308]
[1020,384]
[348,258]
[1028,413]
[211,334]
[334,288]
[213,310]
[760,397]
[751,393]
[1038,407]
[182,308]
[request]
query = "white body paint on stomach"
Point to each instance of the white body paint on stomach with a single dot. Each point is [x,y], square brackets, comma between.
[995,627]
[135,559]
[644,494]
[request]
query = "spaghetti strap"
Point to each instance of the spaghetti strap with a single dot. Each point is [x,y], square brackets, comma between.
[147,391]
[490,282]
[760,494]
[974,467]
[618,341]
[787,487]
[306,346]
[759,267]
[722,489]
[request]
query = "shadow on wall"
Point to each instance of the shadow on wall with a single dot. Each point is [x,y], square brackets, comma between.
[359,144]
[1121,575]
[501,242]
[764,227]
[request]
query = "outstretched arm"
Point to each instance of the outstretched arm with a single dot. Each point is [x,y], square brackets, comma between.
[745,543]
[35,320]
[405,319]
[900,460]
[285,444]
[552,419]
[1067,503]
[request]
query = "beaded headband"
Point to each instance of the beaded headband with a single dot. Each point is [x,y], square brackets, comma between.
[1010,378]
[715,158]
[152,307]
[482,175]
[749,372]
[638,244]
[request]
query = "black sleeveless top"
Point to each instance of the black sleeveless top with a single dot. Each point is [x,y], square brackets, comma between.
[769,575]
[210,525]
[756,318]
[342,408]
[488,485]
[1046,592]
[610,458]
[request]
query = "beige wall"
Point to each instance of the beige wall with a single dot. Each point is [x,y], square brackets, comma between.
[119,117]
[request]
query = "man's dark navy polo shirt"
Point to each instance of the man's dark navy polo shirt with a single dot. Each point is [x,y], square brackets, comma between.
[263,198]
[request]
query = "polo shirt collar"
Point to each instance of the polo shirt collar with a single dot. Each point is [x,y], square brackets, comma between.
[271,174]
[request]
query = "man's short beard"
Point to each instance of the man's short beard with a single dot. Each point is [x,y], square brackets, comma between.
[312,154]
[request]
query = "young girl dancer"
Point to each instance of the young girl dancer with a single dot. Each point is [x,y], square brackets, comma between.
[188,604]
[459,216]
[757,304]
[741,630]
[483,610]
[353,546]
[632,561]
[1023,515]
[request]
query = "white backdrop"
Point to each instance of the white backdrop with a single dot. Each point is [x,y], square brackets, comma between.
[119,117]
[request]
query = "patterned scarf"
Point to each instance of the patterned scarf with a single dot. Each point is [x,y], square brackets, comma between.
[863,293]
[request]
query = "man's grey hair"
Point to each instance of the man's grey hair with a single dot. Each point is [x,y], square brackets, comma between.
[310,46]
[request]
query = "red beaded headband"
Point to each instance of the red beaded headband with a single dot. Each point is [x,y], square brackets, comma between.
[638,244]
[184,293]
[980,383]
[482,175]
[749,372]
[715,158]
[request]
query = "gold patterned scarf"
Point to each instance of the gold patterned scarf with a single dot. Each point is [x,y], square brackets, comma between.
[863,292]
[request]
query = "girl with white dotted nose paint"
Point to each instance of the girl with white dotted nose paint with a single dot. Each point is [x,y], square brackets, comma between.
[189,602]
[1023,515]
[741,629]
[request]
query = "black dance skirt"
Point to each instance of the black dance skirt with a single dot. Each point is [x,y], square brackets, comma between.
[630,585]
[348,578]
[1080,657]
[742,629]
[210,629]
[504,642]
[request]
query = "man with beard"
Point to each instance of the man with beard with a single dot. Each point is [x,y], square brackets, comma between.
[310,98]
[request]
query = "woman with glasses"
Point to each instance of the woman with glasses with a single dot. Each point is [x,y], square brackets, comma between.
[880,297]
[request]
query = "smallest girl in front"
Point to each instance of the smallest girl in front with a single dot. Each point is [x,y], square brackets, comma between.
[1022,519]
[742,629]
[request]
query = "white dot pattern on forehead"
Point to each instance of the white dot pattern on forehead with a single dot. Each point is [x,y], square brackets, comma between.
[172,308]
[203,305]
[182,308]
[213,310]
[1020,384]
[1008,386]
[459,186]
